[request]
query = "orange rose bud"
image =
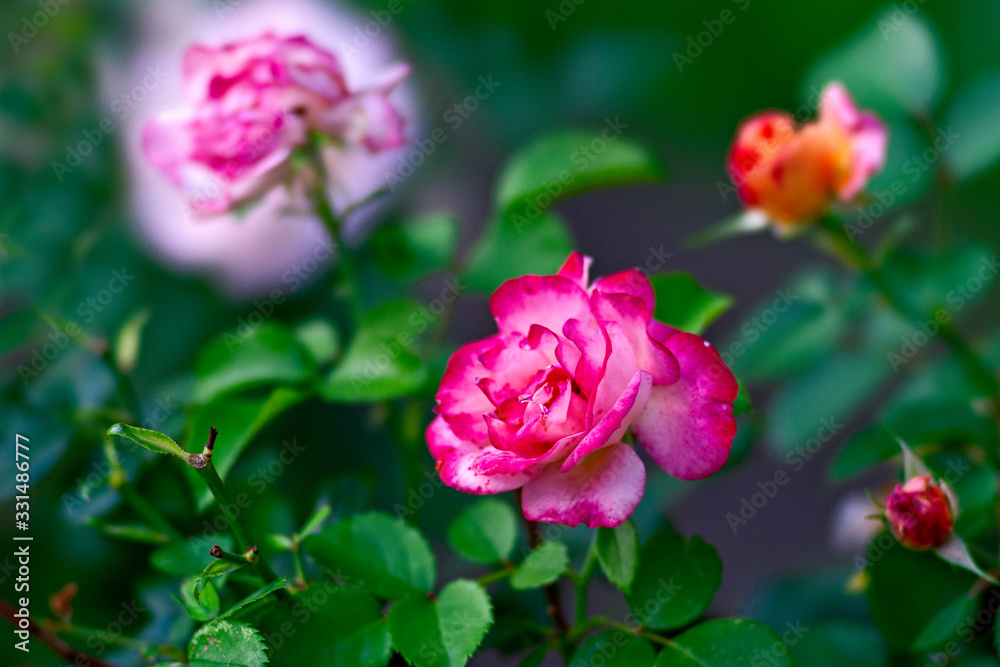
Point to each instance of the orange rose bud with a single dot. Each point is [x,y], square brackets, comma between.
[920,513]
[793,174]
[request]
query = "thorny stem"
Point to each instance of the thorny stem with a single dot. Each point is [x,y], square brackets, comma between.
[554,604]
[58,646]
[220,553]
[244,540]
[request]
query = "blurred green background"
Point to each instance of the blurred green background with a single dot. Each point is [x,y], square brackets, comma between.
[680,75]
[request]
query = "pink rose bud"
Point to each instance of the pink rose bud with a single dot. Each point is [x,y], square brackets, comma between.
[545,403]
[920,513]
[793,174]
[251,104]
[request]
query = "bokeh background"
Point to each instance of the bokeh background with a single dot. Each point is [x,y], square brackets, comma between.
[678,77]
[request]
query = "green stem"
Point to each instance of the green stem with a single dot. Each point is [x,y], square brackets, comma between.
[855,256]
[495,576]
[300,568]
[147,511]
[582,583]
[244,540]
[349,287]
[638,632]
[220,553]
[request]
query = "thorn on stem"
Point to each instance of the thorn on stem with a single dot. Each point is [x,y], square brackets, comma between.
[212,433]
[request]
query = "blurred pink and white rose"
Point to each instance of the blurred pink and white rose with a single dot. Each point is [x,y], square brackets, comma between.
[545,403]
[242,91]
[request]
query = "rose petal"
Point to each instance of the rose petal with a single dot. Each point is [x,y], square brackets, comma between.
[548,301]
[577,268]
[456,463]
[688,427]
[632,282]
[632,315]
[612,426]
[603,490]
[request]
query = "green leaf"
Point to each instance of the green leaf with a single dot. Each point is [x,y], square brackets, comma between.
[204,608]
[217,568]
[227,643]
[729,642]
[865,449]
[336,626]
[379,363]
[542,566]
[741,224]
[126,349]
[675,581]
[617,553]
[956,552]
[917,601]
[151,440]
[376,552]
[809,412]
[562,165]
[839,643]
[319,339]
[535,658]
[973,114]
[133,532]
[514,245]
[614,648]
[683,303]
[890,65]
[258,594]
[238,419]
[443,632]
[484,532]
[789,331]
[314,522]
[269,354]
[188,558]
[416,249]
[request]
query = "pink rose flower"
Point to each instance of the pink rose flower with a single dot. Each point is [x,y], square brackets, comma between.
[251,105]
[544,404]
[793,174]
[920,513]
